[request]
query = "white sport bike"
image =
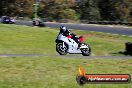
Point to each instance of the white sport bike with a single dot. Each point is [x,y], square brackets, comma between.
[65,45]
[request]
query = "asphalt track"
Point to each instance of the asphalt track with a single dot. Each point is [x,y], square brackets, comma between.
[66,56]
[122,30]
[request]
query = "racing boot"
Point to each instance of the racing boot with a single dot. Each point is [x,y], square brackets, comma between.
[79,45]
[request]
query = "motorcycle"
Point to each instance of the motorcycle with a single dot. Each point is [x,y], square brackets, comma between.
[65,45]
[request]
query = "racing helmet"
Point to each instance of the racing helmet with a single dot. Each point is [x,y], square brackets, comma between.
[63,28]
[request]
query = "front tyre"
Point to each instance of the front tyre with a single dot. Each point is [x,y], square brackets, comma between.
[62,48]
[86,51]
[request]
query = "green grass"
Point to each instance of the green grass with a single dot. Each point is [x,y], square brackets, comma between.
[51,71]
[29,40]
[25,40]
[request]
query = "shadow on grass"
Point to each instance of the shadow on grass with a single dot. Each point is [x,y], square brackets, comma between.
[124,53]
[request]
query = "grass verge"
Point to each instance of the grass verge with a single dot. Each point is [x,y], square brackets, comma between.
[16,39]
[51,72]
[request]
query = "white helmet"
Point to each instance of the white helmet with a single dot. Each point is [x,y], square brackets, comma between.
[63,28]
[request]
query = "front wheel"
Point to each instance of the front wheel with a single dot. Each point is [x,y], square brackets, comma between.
[62,48]
[86,51]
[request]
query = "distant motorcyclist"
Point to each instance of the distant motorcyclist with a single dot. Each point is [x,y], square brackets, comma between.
[65,32]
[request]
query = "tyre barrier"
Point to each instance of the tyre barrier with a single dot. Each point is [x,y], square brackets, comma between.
[128,47]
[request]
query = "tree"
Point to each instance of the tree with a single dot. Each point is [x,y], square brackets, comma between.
[115,10]
[111,10]
[16,7]
[58,9]
[22,8]
[67,14]
[124,9]
[107,10]
[88,10]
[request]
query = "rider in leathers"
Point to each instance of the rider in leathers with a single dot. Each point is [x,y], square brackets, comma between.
[65,32]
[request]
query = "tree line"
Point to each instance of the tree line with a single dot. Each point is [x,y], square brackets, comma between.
[92,10]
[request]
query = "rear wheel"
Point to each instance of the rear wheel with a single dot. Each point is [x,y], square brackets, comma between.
[86,51]
[62,48]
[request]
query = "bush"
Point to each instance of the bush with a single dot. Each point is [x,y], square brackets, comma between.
[68,14]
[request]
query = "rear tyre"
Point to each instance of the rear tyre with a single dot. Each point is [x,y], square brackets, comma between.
[62,50]
[86,51]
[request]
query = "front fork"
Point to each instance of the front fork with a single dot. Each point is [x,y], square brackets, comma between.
[63,45]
